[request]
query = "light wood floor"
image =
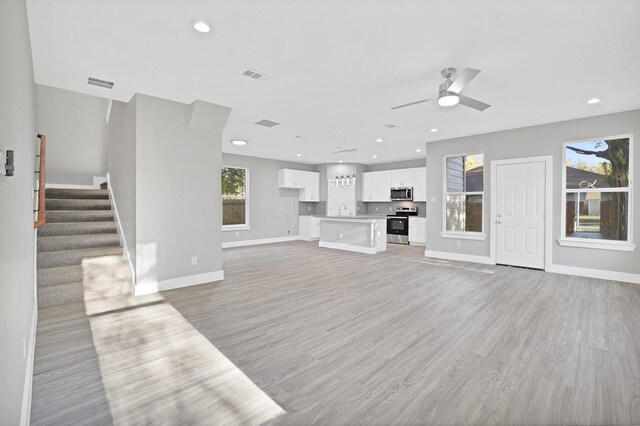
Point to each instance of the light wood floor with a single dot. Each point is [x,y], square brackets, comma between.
[301,335]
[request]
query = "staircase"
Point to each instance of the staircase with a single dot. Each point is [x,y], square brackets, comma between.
[79,253]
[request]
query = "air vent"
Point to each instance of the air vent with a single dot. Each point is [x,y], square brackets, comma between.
[390,126]
[253,74]
[100,83]
[342,151]
[267,123]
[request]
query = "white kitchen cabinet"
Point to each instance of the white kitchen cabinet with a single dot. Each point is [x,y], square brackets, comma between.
[401,178]
[417,230]
[384,186]
[309,228]
[369,186]
[311,191]
[307,182]
[289,178]
[420,184]
[376,186]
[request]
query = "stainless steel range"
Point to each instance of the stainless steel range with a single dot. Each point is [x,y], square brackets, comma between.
[398,225]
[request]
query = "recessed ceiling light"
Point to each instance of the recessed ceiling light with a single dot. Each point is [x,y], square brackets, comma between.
[201,26]
[433,130]
[593,101]
[378,140]
[239,142]
[298,155]
[339,161]
[374,156]
[418,150]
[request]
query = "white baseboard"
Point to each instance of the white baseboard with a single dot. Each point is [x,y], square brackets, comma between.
[458,256]
[98,180]
[154,287]
[348,247]
[595,273]
[123,241]
[25,415]
[261,241]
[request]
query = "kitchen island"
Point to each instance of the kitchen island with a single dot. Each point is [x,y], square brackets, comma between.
[362,234]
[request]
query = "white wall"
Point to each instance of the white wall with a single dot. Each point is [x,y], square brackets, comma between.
[121,158]
[76,132]
[534,141]
[271,210]
[178,206]
[17,132]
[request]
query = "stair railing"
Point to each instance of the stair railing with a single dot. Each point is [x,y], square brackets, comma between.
[41,210]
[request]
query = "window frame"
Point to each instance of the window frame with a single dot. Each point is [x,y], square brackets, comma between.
[246,225]
[627,245]
[464,235]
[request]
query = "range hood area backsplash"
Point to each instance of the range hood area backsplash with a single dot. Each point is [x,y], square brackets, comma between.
[390,207]
[384,208]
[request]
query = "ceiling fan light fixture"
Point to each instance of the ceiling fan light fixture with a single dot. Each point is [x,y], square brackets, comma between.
[448,99]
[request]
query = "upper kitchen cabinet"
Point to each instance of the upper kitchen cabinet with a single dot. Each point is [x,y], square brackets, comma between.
[376,186]
[401,178]
[311,190]
[289,178]
[307,182]
[420,184]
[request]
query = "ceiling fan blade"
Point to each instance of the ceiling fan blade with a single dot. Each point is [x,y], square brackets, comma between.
[473,103]
[412,103]
[463,79]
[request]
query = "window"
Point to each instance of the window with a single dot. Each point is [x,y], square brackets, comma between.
[464,194]
[597,191]
[234,198]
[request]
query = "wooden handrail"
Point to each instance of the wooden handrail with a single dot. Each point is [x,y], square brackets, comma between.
[42,209]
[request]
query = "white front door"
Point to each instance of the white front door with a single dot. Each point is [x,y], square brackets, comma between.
[520,221]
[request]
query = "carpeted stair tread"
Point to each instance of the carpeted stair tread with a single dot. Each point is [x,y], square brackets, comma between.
[77,193]
[77,204]
[74,257]
[71,242]
[60,294]
[76,228]
[56,216]
[59,275]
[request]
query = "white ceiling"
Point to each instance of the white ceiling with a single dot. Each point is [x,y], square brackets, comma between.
[336,67]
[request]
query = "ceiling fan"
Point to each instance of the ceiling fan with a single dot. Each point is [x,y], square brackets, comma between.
[449,93]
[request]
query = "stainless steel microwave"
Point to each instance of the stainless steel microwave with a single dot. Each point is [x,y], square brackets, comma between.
[401,194]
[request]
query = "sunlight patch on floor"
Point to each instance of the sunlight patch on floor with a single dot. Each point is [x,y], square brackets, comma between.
[158,369]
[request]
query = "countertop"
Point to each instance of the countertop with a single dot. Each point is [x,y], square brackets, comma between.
[352,217]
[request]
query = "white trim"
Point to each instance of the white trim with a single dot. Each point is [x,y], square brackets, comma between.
[187,281]
[628,189]
[597,244]
[348,247]
[231,244]
[97,180]
[445,192]
[246,202]
[226,228]
[464,235]
[459,256]
[595,273]
[109,105]
[25,414]
[123,241]
[548,203]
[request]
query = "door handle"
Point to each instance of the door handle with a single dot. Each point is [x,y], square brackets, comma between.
[498,221]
